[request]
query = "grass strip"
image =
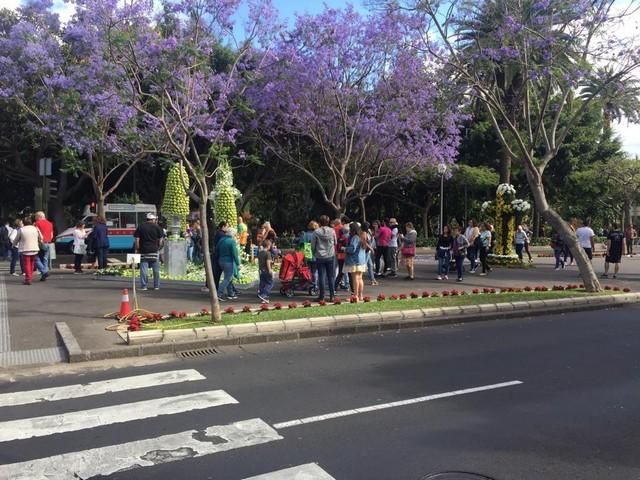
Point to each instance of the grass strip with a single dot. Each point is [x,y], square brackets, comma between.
[373,306]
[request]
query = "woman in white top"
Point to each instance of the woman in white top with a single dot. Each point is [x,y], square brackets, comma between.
[28,241]
[79,246]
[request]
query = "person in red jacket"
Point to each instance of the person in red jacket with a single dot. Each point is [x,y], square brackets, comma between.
[46,231]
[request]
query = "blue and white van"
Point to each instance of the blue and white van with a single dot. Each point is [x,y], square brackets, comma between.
[122,221]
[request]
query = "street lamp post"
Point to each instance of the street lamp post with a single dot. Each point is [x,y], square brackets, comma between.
[442,170]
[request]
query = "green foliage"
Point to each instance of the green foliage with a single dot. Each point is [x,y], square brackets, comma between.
[176,198]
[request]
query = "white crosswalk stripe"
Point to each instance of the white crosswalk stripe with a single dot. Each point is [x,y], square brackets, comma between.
[107,460]
[97,417]
[144,453]
[310,471]
[98,388]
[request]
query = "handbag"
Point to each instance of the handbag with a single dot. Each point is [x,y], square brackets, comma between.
[408,251]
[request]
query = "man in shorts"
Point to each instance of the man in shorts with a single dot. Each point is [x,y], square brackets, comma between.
[615,244]
[585,237]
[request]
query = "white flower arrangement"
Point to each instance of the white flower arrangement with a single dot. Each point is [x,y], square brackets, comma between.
[486,205]
[520,205]
[506,189]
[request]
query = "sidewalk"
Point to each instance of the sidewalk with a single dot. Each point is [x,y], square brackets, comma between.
[82,301]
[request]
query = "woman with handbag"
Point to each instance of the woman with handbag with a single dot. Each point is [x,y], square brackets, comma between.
[408,250]
[443,252]
[79,247]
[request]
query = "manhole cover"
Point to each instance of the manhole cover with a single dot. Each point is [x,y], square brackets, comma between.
[456,476]
[201,352]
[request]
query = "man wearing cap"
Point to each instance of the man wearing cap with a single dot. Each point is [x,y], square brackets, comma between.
[149,238]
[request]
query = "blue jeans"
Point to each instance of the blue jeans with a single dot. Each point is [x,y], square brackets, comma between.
[313,267]
[370,272]
[42,260]
[266,283]
[559,252]
[444,259]
[519,249]
[144,273]
[101,257]
[15,256]
[227,280]
[472,255]
[326,272]
[459,265]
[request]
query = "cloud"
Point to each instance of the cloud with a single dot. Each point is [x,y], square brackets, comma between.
[10,4]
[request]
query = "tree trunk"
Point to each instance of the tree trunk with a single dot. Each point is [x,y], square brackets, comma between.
[589,278]
[216,314]
[425,215]
[505,166]
[363,210]
[627,214]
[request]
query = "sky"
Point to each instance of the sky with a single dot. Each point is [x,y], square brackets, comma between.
[629,133]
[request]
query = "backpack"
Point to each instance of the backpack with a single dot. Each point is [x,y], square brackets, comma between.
[308,252]
[4,236]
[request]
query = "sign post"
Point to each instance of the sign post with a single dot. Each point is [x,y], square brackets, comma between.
[133,259]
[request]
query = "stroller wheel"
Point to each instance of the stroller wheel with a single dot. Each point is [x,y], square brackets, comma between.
[288,292]
[313,291]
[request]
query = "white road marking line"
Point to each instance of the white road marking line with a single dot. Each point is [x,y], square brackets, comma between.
[98,388]
[143,453]
[400,403]
[97,417]
[5,333]
[310,471]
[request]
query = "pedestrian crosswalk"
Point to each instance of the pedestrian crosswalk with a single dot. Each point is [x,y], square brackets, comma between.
[139,453]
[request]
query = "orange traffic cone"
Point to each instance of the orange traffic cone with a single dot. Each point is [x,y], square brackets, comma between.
[125,308]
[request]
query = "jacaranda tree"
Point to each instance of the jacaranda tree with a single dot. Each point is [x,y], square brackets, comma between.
[186,75]
[348,105]
[73,94]
[549,55]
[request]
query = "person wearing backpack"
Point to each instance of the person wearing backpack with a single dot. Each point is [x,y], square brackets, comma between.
[355,262]
[459,250]
[304,245]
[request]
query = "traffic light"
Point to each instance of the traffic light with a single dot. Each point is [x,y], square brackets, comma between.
[53,188]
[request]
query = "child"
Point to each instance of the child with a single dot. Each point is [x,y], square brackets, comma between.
[265,265]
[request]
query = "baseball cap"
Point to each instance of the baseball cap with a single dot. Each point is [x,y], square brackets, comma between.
[151,216]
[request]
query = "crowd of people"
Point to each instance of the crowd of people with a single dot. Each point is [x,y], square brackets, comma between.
[28,243]
[341,254]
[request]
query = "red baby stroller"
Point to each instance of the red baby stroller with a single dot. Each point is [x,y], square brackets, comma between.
[295,275]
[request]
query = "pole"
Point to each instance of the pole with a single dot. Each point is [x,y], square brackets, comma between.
[441,203]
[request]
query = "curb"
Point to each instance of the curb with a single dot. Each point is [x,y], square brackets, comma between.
[154,342]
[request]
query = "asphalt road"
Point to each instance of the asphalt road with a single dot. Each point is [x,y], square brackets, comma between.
[575,415]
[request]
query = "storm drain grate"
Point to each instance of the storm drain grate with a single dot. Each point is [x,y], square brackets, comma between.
[456,476]
[201,352]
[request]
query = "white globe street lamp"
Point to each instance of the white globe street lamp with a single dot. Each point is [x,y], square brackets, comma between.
[442,170]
